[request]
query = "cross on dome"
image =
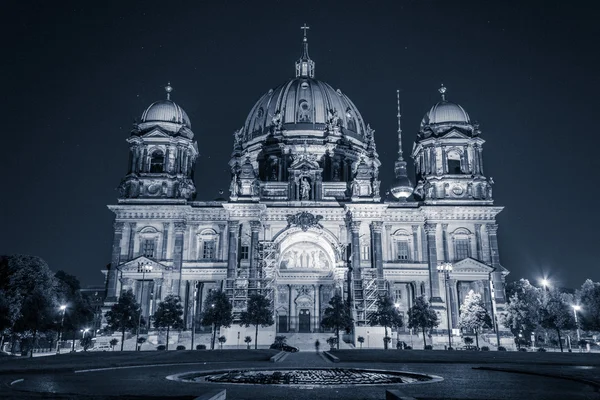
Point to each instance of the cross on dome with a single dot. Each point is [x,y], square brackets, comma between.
[305,28]
[168,89]
[442,91]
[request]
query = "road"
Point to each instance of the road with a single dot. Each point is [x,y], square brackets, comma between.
[460,381]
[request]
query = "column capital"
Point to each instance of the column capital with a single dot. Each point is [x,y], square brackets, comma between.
[118,226]
[492,229]
[166,225]
[158,281]
[388,227]
[180,226]
[376,226]
[444,227]
[132,225]
[354,226]
[255,226]
[233,226]
[415,228]
[430,228]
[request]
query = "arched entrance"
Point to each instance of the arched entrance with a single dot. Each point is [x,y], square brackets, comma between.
[305,278]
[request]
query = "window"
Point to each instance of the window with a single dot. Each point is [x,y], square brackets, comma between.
[208,250]
[157,161]
[403,250]
[454,163]
[365,252]
[398,295]
[461,249]
[245,253]
[148,248]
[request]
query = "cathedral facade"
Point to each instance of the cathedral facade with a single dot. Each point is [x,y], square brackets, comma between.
[305,217]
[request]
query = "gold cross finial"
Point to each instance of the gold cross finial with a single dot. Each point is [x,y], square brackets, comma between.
[305,28]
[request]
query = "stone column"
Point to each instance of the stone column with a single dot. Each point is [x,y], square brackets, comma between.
[377,253]
[253,255]
[234,227]
[194,242]
[222,242]
[165,240]
[131,242]
[388,243]
[478,242]
[424,251]
[318,308]
[180,227]
[480,159]
[434,280]
[293,318]
[355,240]
[445,242]
[115,260]
[492,230]
[415,229]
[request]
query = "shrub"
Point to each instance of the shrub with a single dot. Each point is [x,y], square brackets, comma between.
[450,348]
[501,348]
[201,347]
[180,347]
[161,347]
[429,347]
[468,340]
[485,348]
[408,348]
[522,349]
[541,349]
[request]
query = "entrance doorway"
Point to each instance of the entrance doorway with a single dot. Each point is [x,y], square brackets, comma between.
[283,323]
[304,320]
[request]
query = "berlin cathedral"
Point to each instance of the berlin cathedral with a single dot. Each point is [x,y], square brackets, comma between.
[305,217]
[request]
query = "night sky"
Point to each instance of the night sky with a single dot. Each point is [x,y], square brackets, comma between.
[75,76]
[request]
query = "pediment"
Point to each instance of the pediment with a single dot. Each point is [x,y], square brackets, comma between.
[156,133]
[471,265]
[454,134]
[133,265]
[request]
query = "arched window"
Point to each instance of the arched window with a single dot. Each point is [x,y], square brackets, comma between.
[157,161]
[454,162]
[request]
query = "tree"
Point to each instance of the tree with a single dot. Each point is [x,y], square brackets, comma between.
[113,343]
[258,312]
[222,339]
[337,316]
[169,315]
[280,341]
[247,340]
[521,315]
[556,314]
[422,316]
[387,315]
[361,340]
[473,315]
[217,313]
[589,299]
[29,295]
[79,312]
[124,315]
[468,340]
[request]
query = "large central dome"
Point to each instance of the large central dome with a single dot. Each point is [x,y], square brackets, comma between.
[303,104]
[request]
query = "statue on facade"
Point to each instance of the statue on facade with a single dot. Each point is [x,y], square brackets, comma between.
[375,187]
[355,188]
[256,187]
[234,187]
[238,137]
[276,121]
[304,189]
[333,120]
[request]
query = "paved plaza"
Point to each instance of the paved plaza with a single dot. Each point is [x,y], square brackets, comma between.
[465,375]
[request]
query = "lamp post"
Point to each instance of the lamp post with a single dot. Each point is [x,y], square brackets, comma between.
[62,322]
[575,309]
[193,315]
[446,268]
[397,305]
[83,333]
[142,267]
[545,284]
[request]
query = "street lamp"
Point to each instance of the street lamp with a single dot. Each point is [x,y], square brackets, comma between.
[446,268]
[397,305]
[575,309]
[142,267]
[62,322]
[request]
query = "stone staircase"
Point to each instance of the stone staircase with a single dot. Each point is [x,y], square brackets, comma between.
[306,341]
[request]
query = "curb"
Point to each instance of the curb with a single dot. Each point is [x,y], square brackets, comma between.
[278,357]
[594,384]
[331,357]
[396,395]
[213,395]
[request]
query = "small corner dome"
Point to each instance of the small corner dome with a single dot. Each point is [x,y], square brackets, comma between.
[166,111]
[446,112]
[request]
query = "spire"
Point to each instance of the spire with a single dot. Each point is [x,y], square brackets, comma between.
[168,89]
[400,158]
[402,187]
[305,67]
[442,91]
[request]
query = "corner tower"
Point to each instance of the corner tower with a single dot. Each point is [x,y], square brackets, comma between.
[448,157]
[162,155]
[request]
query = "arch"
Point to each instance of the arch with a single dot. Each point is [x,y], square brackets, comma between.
[148,229]
[157,161]
[401,232]
[454,160]
[461,231]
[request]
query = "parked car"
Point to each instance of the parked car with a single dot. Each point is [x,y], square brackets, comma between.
[470,347]
[284,347]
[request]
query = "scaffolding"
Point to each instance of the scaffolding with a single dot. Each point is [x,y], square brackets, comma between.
[369,294]
[267,263]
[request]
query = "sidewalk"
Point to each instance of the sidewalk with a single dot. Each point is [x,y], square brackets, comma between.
[305,359]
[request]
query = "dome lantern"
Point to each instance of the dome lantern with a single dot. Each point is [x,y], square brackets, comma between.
[305,67]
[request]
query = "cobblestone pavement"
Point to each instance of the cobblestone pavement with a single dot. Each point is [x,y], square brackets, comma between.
[461,381]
